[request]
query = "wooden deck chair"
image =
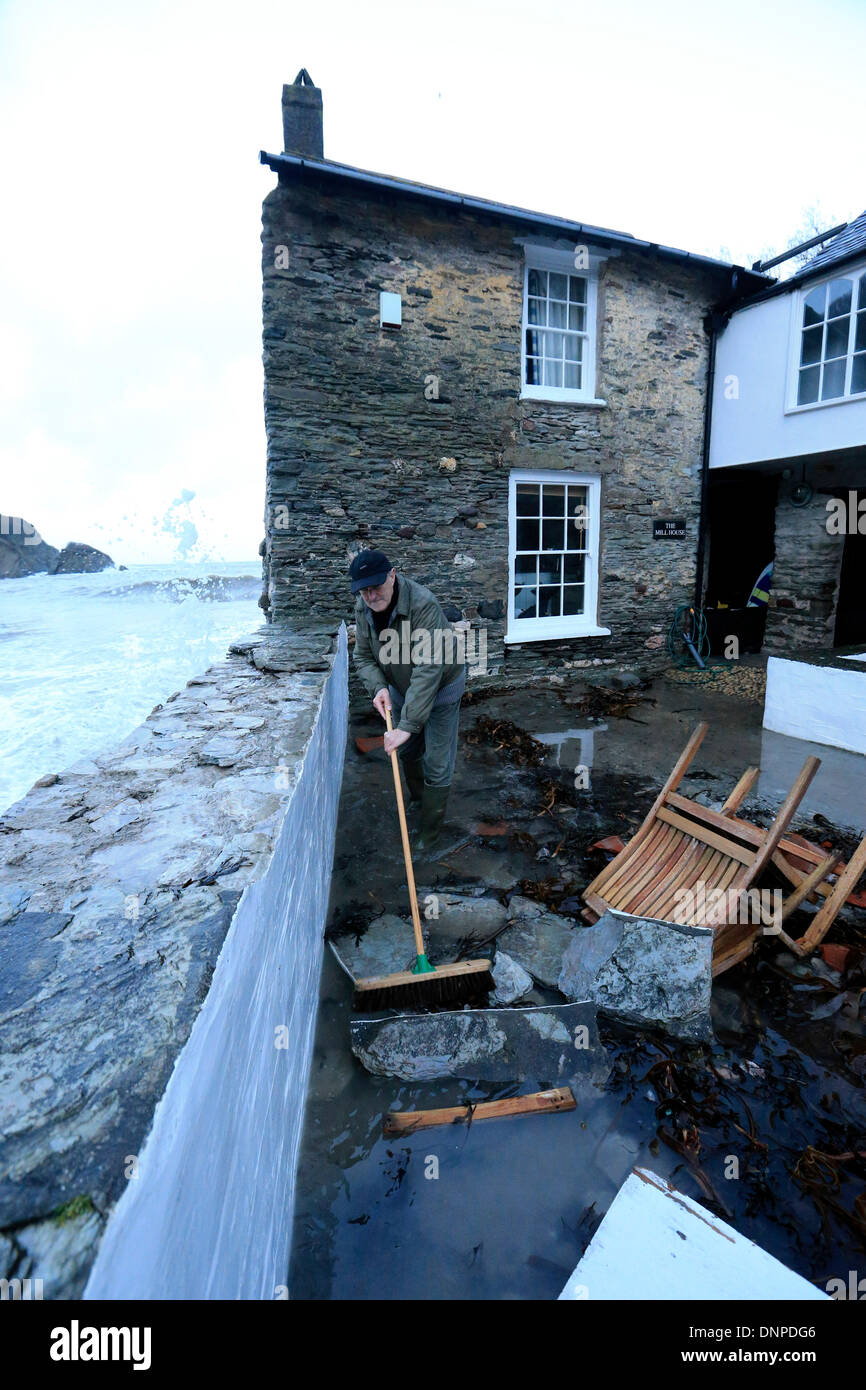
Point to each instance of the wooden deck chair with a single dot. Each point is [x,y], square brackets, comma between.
[685,857]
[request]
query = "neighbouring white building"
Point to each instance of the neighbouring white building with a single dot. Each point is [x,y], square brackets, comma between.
[788,435]
[787,483]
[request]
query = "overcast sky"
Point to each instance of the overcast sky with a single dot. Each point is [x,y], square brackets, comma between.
[130,358]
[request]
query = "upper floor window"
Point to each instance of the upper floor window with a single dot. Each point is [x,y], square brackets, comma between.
[832,356]
[559,324]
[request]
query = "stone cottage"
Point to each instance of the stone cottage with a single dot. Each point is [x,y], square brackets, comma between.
[510,404]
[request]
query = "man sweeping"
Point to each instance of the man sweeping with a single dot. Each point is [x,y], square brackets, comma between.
[405,655]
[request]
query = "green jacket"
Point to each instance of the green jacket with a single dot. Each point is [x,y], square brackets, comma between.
[423,671]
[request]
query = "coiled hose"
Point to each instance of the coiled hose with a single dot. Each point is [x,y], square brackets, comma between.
[688,639]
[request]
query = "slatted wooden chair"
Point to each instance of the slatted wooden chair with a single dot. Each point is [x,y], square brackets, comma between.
[683,853]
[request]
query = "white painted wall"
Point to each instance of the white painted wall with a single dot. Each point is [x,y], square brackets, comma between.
[821,703]
[210,1215]
[755,348]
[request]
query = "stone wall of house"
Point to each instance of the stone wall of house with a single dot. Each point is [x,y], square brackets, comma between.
[802,609]
[361,451]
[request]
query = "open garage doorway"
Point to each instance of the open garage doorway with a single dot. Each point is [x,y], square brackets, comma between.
[741,531]
[851,605]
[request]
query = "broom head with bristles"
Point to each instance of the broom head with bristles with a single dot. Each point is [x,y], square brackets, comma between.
[466,982]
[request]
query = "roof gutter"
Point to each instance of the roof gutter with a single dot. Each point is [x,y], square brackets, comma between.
[286,163]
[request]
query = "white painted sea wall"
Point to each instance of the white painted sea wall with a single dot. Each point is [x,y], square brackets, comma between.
[821,703]
[210,1214]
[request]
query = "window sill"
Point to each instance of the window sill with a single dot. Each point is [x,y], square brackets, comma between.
[822,405]
[561,397]
[512,639]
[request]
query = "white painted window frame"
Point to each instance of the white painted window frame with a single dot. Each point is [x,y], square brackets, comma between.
[798,300]
[585,624]
[562,262]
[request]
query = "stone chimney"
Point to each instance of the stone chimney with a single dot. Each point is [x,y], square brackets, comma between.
[302,118]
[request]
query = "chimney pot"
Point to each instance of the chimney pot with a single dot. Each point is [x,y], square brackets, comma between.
[302,118]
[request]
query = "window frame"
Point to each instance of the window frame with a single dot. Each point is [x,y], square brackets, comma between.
[798,301]
[561,262]
[585,624]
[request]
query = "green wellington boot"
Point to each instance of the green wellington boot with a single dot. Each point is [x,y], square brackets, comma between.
[432,816]
[414,774]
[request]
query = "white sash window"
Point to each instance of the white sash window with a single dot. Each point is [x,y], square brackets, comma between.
[559,325]
[553,554]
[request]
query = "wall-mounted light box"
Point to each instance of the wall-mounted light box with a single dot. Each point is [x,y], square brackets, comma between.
[390,310]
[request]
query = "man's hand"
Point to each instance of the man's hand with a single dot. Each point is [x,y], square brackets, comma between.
[382,701]
[394,738]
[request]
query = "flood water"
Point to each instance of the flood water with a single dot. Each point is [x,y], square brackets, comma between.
[503,1209]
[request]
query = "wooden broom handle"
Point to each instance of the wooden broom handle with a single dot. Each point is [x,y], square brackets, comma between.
[404,831]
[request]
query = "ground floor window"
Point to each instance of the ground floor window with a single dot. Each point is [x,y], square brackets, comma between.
[553,532]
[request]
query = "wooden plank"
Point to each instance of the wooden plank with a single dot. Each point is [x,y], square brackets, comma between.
[709,837]
[783,819]
[741,791]
[733,956]
[538,1103]
[751,834]
[808,882]
[682,844]
[732,829]
[828,911]
[796,876]
[703,865]
[627,857]
[651,866]
[662,891]
[679,770]
[613,871]
[596,903]
[624,864]
[408,977]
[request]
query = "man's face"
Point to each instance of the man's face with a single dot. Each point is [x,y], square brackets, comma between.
[378,597]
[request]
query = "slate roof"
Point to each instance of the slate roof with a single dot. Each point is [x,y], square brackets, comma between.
[843,246]
[290,164]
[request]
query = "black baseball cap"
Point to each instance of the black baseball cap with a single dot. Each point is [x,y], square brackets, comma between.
[369,568]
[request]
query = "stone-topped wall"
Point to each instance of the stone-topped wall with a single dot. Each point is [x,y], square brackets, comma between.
[359,455]
[199,849]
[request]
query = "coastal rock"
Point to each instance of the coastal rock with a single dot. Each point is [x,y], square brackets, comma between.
[643,972]
[76,558]
[554,1045]
[22,549]
[537,940]
[385,948]
[59,1253]
[511,980]
[456,917]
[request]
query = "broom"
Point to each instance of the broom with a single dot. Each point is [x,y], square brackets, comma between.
[424,983]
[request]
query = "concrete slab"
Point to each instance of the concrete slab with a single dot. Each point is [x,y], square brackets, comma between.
[655,1243]
[556,1045]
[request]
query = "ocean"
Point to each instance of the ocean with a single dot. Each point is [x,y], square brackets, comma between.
[85,657]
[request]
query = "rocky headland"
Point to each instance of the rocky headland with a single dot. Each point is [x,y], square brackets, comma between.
[23,552]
